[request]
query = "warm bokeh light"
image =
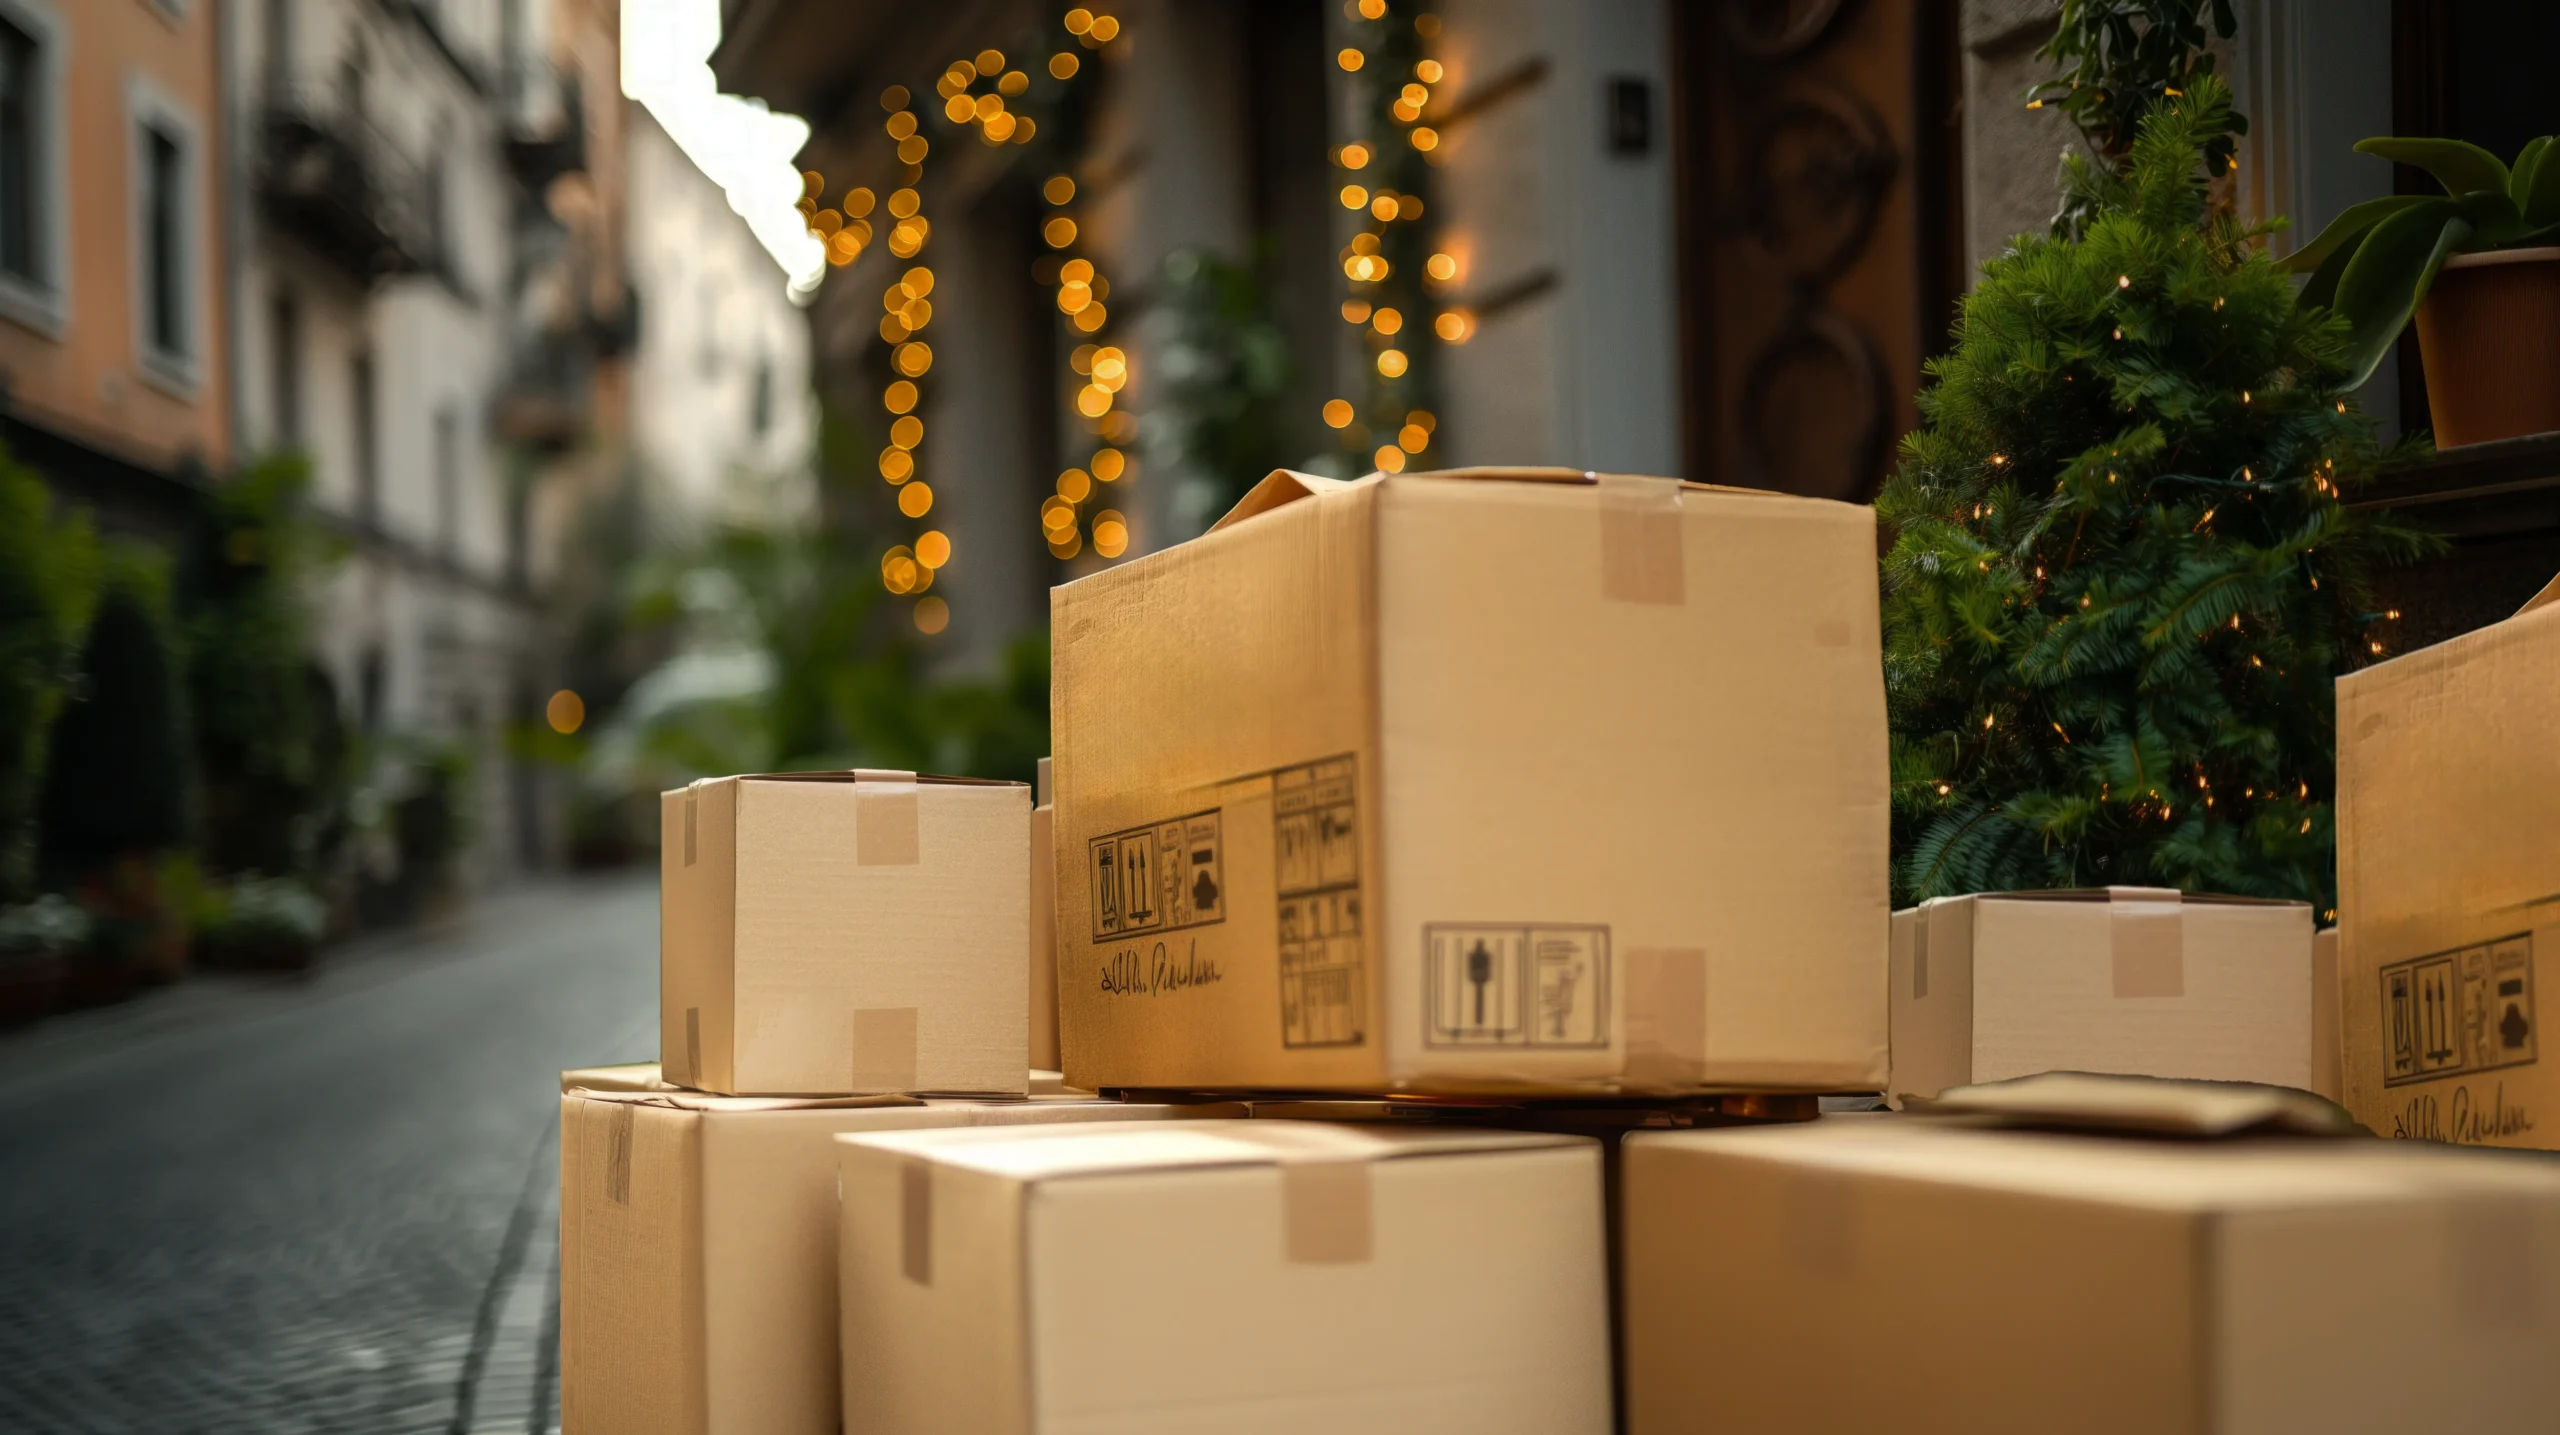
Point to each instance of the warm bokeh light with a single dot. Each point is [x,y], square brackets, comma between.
[903,203]
[1408,207]
[1105,28]
[1111,369]
[897,465]
[1425,138]
[1075,485]
[1412,438]
[1082,359]
[1388,321]
[1110,534]
[1059,232]
[1079,20]
[1065,545]
[1427,26]
[1354,196]
[1429,72]
[1093,401]
[1455,326]
[1092,317]
[916,499]
[990,61]
[1337,413]
[918,281]
[899,397]
[1354,156]
[932,616]
[1355,311]
[1383,208]
[566,711]
[894,98]
[1443,267]
[898,569]
[900,125]
[933,549]
[1059,189]
[858,201]
[1350,59]
[1109,464]
[1388,459]
[958,109]
[1076,271]
[913,359]
[1057,516]
[1391,363]
[1012,82]
[907,432]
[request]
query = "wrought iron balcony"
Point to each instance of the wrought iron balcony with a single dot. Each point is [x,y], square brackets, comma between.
[329,176]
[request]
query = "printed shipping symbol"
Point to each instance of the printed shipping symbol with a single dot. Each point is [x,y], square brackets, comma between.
[1479,972]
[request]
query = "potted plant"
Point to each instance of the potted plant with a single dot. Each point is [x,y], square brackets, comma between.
[35,942]
[2479,268]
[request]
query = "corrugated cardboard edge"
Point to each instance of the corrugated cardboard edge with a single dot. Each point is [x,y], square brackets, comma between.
[2147,1105]
[2549,595]
[1284,486]
[681,1100]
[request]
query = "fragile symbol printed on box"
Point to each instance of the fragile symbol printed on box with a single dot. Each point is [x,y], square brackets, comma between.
[2457,1012]
[1158,878]
[1516,985]
[1315,839]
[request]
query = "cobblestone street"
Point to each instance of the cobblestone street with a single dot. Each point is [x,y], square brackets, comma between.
[322,1205]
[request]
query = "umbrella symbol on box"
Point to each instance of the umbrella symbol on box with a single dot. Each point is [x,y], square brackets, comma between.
[1204,888]
[1479,973]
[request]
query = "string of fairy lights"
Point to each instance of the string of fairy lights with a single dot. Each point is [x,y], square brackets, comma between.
[978,93]
[1400,283]
[1396,273]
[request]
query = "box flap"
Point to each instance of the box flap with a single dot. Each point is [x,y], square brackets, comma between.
[678,1099]
[2146,1105]
[865,774]
[625,1076]
[1053,1152]
[2139,894]
[2550,594]
[1283,486]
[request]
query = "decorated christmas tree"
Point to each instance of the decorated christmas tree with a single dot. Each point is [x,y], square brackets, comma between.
[2121,578]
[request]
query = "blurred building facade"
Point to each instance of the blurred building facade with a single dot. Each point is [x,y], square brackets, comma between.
[114,305]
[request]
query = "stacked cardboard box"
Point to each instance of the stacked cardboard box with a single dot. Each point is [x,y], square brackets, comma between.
[2449,884]
[1521,781]
[1535,800]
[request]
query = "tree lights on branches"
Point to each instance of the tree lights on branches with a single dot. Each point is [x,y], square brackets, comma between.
[1390,265]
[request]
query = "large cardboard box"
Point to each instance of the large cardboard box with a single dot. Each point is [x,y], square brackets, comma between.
[1235,1276]
[1862,1274]
[1518,781]
[2138,980]
[2449,884]
[845,932]
[697,1252]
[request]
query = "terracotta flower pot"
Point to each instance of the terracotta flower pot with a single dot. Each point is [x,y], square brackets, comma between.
[2489,331]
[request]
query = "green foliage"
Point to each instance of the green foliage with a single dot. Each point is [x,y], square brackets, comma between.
[2118,59]
[1224,371]
[2120,579]
[2376,261]
[116,776]
[49,577]
[270,743]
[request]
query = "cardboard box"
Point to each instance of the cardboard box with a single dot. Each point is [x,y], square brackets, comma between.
[1515,782]
[2449,884]
[1223,1275]
[697,1252]
[1860,1274]
[2143,981]
[2328,1023]
[845,932]
[1044,926]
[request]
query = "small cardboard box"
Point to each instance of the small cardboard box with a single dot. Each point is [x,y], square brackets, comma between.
[1224,1275]
[835,933]
[1519,782]
[697,1252]
[2449,884]
[1044,926]
[1859,1274]
[2142,981]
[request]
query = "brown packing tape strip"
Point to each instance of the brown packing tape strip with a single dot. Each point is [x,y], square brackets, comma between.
[1640,550]
[1666,1016]
[884,1048]
[619,1130]
[692,806]
[1325,1209]
[692,1046]
[884,819]
[915,1221]
[2146,936]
